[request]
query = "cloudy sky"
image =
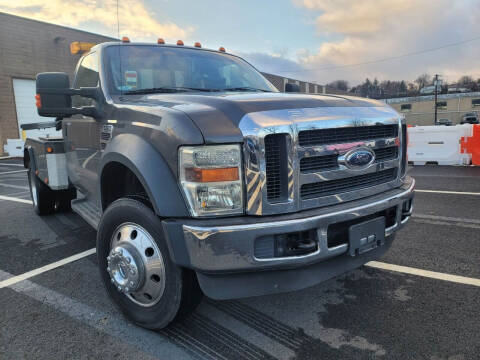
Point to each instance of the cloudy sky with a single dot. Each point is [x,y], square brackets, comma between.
[314,40]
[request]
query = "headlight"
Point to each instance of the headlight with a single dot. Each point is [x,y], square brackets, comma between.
[211,179]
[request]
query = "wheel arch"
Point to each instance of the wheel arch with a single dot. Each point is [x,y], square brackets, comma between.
[151,170]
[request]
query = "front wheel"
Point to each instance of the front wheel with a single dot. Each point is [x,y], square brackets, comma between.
[136,267]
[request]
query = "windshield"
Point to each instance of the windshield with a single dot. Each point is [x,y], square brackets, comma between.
[148,69]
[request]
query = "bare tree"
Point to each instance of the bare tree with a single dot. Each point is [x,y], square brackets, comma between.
[339,85]
[423,80]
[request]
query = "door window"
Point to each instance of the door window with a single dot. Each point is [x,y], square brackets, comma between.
[87,76]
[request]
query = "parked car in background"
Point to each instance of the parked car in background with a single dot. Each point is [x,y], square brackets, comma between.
[446,122]
[470,118]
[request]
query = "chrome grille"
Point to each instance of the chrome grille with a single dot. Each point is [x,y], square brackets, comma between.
[329,162]
[346,134]
[334,187]
[298,159]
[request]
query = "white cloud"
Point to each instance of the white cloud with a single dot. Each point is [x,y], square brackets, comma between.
[375,29]
[136,20]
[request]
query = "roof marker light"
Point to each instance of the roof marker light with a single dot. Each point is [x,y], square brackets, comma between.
[179,42]
[125,39]
[160,41]
[197,44]
[221,48]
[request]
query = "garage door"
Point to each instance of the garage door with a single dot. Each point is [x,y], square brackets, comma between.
[24,91]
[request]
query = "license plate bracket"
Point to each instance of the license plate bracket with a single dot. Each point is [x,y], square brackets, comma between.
[366,236]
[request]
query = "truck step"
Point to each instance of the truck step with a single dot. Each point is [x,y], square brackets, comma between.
[88,211]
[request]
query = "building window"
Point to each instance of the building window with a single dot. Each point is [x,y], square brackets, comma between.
[441,105]
[475,102]
[406,107]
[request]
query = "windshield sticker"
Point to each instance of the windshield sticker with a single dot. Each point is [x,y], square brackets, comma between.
[131,79]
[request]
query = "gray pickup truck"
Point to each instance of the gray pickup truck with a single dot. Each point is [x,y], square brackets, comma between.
[202,178]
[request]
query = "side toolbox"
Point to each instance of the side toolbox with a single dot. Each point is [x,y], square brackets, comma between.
[47,158]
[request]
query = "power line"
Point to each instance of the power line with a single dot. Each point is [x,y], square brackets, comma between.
[384,59]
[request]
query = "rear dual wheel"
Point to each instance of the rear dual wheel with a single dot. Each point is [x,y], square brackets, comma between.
[137,270]
[45,200]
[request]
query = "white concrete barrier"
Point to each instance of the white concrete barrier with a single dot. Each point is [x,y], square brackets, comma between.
[438,144]
[14,147]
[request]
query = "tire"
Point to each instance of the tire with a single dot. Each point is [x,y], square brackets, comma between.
[125,221]
[43,198]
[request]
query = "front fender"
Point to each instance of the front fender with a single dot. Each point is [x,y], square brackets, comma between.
[151,169]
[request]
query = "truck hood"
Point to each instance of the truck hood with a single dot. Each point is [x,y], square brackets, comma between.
[218,115]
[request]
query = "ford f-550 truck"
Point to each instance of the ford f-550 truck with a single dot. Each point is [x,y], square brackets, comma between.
[202,178]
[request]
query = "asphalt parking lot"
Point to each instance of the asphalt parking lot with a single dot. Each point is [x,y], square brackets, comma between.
[64,313]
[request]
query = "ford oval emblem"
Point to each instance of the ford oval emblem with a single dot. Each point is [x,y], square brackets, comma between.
[359,158]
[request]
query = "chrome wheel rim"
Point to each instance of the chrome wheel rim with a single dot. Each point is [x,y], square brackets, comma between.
[135,265]
[33,186]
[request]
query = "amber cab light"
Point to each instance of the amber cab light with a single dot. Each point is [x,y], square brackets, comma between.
[125,39]
[160,41]
[197,44]
[211,175]
[179,42]
[221,48]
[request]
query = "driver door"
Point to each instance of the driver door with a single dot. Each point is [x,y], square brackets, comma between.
[82,133]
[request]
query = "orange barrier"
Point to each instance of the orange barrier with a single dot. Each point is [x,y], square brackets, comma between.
[471,145]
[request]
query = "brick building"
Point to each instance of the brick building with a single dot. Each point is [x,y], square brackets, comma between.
[28,47]
[420,110]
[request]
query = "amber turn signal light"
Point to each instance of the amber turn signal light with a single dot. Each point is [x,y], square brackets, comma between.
[211,175]
[38,101]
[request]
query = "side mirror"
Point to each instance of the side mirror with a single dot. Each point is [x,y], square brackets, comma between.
[289,87]
[52,104]
[54,96]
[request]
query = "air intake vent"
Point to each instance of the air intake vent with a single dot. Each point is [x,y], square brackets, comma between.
[276,166]
[316,163]
[387,153]
[333,187]
[349,134]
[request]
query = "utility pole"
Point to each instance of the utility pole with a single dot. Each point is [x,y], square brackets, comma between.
[436,83]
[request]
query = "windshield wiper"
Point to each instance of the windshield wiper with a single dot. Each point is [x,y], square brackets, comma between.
[244,88]
[154,90]
[166,90]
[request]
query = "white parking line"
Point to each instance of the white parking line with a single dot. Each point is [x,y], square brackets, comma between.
[5,164]
[9,198]
[373,264]
[424,273]
[448,192]
[12,172]
[29,274]
[14,186]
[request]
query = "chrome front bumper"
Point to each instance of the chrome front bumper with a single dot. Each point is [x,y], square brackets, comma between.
[227,246]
